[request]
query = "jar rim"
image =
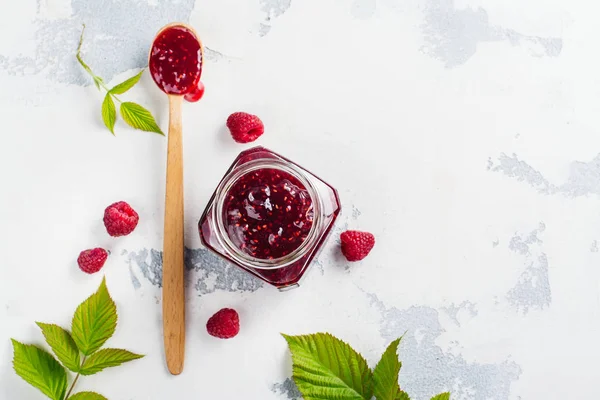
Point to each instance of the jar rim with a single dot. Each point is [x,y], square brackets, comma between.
[223,237]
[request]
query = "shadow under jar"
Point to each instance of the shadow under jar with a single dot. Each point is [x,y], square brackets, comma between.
[269,216]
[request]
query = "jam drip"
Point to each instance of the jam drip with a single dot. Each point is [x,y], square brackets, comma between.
[268,213]
[176,60]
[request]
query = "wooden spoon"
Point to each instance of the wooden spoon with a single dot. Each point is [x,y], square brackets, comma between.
[175,63]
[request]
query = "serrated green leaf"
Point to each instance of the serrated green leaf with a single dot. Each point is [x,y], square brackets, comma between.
[87,396]
[94,321]
[402,396]
[138,117]
[109,113]
[442,396]
[38,368]
[106,358]
[62,345]
[385,374]
[127,84]
[327,368]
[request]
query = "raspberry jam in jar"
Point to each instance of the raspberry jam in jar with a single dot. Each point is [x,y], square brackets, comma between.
[269,216]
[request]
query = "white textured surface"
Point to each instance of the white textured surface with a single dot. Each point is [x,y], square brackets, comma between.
[463,134]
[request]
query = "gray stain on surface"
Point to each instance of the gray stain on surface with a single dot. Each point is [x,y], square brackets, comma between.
[214,55]
[272,9]
[134,280]
[213,273]
[355,212]
[428,370]
[287,388]
[221,274]
[583,179]
[453,310]
[149,263]
[532,290]
[521,244]
[316,263]
[521,171]
[452,34]
[119,31]
[594,246]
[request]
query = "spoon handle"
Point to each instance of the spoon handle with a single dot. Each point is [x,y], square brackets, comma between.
[173,248]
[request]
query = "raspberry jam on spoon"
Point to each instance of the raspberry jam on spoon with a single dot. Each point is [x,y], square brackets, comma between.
[196,94]
[175,62]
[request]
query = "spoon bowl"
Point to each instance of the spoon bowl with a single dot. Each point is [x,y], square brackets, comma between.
[176,58]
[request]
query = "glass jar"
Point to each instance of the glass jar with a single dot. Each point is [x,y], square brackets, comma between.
[269,216]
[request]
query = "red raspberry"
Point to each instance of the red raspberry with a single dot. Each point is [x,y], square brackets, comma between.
[244,127]
[120,219]
[92,260]
[225,324]
[356,245]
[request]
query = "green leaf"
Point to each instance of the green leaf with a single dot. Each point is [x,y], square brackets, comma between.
[385,374]
[109,113]
[327,368]
[138,117]
[87,396]
[127,84]
[107,358]
[442,396]
[402,396]
[62,345]
[94,321]
[38,368]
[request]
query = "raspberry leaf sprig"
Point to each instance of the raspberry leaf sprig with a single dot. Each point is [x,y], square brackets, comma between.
[324,367]
[133,114]
[79,351]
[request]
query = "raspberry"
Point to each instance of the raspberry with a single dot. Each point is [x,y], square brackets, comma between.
[92,260]
[120,219]
[244,127]
[356,245]
[225,324]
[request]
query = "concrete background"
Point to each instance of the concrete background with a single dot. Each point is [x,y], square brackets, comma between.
[463,134]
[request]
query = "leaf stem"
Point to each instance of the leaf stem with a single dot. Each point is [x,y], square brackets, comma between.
[115,97]
[134,115]
[104,86]
[76,377]
[96,78]
[78,55]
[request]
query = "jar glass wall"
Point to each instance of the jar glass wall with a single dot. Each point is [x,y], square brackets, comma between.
[269,216]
